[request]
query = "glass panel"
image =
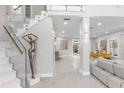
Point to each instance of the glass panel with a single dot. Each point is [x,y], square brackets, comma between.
[18,57]
[56,8]
[65,8]
[73,8]
[16,13]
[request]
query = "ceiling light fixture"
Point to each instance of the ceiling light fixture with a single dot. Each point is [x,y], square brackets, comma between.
[80,32]
[99,24]
[53,31]
[106,32]
[86,35]
[63,31]
[65,23]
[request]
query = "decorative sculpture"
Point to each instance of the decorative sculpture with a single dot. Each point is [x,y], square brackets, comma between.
[31,39]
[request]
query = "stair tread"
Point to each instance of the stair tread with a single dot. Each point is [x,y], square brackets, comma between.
[4,77]
[5,69]
[15,83]
[5,65]
[4,60]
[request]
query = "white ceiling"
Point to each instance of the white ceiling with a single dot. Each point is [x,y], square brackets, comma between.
[109,24]
[71,29]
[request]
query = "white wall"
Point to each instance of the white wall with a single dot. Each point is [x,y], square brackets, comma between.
[3,17]
[44,48]
[67,52]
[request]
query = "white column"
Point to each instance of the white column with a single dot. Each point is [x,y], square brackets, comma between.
[85,46]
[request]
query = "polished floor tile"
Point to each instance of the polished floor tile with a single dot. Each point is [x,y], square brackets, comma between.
[67,76]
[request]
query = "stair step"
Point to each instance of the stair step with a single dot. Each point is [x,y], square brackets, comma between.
[32,22]
[15,83]
[3,52]
[5,77]
[4,65]
[5,69]
[3,44]
[4,60]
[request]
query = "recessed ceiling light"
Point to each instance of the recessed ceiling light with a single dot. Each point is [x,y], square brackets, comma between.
[80,32]
[65,23]
[53,31]
[63,31]
[99,24]
[106,32]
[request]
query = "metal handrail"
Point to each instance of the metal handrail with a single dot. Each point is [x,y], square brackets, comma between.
[24,48]
[13,39]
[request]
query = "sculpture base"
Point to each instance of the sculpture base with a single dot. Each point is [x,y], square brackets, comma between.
[34,81]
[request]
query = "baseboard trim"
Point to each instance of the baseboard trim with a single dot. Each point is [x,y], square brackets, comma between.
[84,73]
[63,56]
[46,75]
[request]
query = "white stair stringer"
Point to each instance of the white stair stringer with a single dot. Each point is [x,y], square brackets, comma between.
[8,77]
[32,22]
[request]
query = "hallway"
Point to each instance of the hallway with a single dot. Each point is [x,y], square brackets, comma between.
[67,76]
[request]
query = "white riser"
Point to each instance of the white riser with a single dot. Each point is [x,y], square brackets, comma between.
[4,61]
[4,65]
[15,83]
[2,44]
[5,69]
[4,58]
[2,52]
[8,76]
[3,49]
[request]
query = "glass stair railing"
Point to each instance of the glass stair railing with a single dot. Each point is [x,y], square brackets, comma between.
[66,8]
[18,57]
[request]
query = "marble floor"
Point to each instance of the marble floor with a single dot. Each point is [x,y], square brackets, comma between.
[67,76]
